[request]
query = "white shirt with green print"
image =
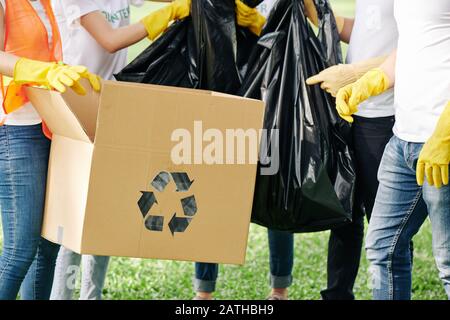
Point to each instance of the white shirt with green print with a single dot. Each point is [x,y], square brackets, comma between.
[79,47]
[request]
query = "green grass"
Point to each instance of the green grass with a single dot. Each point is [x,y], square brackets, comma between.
[153,279]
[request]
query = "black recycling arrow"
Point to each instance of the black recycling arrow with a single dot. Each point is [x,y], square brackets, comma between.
[182,181]
[177,224]
[189,206]
[154,223]
[161,181]
[146,202]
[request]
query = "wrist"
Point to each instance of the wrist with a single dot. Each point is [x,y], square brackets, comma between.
[260,21]
[353,73]
[382,78]
[442,131]
[258,25]
[364,66]
[26,70]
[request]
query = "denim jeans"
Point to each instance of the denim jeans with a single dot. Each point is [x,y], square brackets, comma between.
[401,207]
[281,246]
[93,275]
[27,260]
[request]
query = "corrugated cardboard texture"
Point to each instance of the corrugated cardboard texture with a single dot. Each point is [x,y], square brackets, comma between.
[68,115]
[132,145]
[67,188]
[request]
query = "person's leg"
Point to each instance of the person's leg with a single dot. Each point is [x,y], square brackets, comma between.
[205,280]
[66,273]
[93,274]
[344,254]
[24,155]
[37,284]
[370,136]
[438,204]
[398,213]
[281,250]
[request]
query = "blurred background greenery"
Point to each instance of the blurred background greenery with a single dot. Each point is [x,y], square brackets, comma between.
[155,279]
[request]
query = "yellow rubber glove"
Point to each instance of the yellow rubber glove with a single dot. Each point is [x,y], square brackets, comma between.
[249,18]
[54,75]
[349,97]
[434,158]
[157,22]
[336,77]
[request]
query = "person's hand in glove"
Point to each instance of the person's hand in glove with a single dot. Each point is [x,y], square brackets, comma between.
[54,75]
[157,22]
[349,97]
[249,18]
[434,159]
[336,77]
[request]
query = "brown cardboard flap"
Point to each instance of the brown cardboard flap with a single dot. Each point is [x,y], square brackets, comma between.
[226,95]
[68,114]
[145,116]
[67,191]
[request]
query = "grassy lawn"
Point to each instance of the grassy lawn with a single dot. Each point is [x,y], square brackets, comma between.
[153,279]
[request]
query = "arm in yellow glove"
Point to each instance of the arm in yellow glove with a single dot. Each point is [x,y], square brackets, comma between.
[249,18]
[434,158]
[373,83]
[349,97]
[336,77]
[158,22]
[252,19]
[53,75]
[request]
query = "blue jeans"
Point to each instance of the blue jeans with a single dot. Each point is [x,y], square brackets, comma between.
[401,207]
[27,259]
[281,246]
[93,275]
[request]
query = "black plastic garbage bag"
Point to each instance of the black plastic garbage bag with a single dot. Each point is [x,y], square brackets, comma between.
[252,3]
[305,178]
[205,51]
[167,61]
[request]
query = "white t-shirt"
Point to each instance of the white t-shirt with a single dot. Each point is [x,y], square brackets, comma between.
[27,115]
[422,83]
[79,47]
[374,34]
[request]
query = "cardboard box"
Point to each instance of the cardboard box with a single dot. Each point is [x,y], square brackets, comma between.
[113,188]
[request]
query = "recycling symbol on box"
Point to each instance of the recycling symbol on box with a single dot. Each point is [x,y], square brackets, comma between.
[149,200]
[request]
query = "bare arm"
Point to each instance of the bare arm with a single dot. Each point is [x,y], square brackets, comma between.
[112,39]
[7,61]
[347,29]
[388,66]
[109,38]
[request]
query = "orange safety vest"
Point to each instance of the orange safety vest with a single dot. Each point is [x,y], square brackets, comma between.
[26,36]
